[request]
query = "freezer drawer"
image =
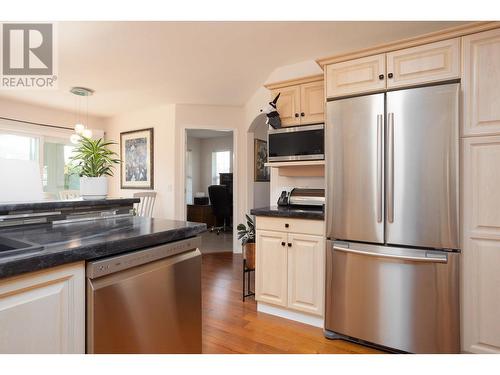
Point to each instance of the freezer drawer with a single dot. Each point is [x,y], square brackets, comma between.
[405,299]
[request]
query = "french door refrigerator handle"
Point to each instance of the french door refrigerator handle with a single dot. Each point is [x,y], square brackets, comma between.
[435,259]
[380,160]
[390,168]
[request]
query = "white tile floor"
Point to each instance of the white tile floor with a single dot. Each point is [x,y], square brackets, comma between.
[213,243]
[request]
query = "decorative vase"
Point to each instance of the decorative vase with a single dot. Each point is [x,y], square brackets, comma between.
[249,255]
[93,187]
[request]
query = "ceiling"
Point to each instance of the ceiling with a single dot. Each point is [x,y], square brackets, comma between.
[206,133]
[133,65]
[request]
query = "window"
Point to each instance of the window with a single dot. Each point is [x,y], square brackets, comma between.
[221,163]
[189,177]
[52,150]
[13,146]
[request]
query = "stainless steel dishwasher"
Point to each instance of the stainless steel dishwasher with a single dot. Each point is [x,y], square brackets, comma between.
[146,301]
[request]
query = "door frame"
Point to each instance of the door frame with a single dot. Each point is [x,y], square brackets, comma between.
[182,212]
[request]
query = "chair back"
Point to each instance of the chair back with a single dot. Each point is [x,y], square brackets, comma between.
[145,206]
[220,200]
[69,194]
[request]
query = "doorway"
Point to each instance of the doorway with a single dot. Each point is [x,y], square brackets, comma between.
[209,198]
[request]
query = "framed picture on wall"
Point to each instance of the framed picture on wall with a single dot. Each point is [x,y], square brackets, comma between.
[136,152]
[261,173]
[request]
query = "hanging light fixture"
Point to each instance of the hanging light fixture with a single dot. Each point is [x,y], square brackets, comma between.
[81,123]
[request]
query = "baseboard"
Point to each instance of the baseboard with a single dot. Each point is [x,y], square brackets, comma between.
[315,321]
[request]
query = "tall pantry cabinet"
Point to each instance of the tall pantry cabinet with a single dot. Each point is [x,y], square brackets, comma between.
[480,142]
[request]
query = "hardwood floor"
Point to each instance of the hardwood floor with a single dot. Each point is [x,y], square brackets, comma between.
[233,326]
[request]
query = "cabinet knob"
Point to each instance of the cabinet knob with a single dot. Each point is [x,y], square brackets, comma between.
[302,114]
[390,75]
[283,244]
[289,244]
[296,115]
[381,76]
[287,225]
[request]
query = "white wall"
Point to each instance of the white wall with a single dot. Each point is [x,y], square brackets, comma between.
[162,119]
[22,111]
[261,190]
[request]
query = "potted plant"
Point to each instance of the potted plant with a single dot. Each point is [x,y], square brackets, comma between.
[246,234]
[94,162]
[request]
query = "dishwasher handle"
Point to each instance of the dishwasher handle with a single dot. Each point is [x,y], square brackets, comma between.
[433,258]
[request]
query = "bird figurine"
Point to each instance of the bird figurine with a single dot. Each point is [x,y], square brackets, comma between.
[273,117]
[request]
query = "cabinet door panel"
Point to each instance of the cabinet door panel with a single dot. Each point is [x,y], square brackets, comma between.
[271,268]
[480,275]
[356,76]
[312,101]
[306,276]
[44,312]
[288,105]
[481,82]
[432,62]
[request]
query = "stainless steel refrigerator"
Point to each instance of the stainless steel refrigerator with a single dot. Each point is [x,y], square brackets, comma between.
[392,219]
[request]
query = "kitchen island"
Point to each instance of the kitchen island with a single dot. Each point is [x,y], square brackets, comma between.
[46,249]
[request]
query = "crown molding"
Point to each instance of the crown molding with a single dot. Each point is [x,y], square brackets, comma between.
[294,81]
[449,33]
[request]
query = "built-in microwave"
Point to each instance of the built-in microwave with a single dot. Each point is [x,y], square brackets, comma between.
[297,143]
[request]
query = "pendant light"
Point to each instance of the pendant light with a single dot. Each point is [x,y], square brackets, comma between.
[81,130]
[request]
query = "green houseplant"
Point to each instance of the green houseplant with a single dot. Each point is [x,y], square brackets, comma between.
[94,161]
[246,234]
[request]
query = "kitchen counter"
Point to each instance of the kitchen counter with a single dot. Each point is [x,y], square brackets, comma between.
[292,212]
[58,244]
[61,204]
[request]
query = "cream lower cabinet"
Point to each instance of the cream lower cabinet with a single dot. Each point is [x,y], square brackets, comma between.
[290,266]
[480,281]
[271,263]
[306,273]
[44,312]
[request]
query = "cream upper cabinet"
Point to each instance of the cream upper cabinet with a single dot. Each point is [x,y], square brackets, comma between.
[306,278]
[428,63]
[356,76]
[44,312]
[312,102]
[302,101]
[271,263]
[480,281]
[481,83]
[288,105]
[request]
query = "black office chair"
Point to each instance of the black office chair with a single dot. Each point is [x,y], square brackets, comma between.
[222,207]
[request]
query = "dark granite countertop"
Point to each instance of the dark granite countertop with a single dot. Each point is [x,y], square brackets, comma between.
[66,243]
[302,212]
[57,204]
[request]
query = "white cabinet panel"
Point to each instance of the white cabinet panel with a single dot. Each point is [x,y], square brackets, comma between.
[306,279]
[480,274]
[288,105]
[44,312]
[312,103]
[356,76]
[428,63]
[271,267]
[481,83]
